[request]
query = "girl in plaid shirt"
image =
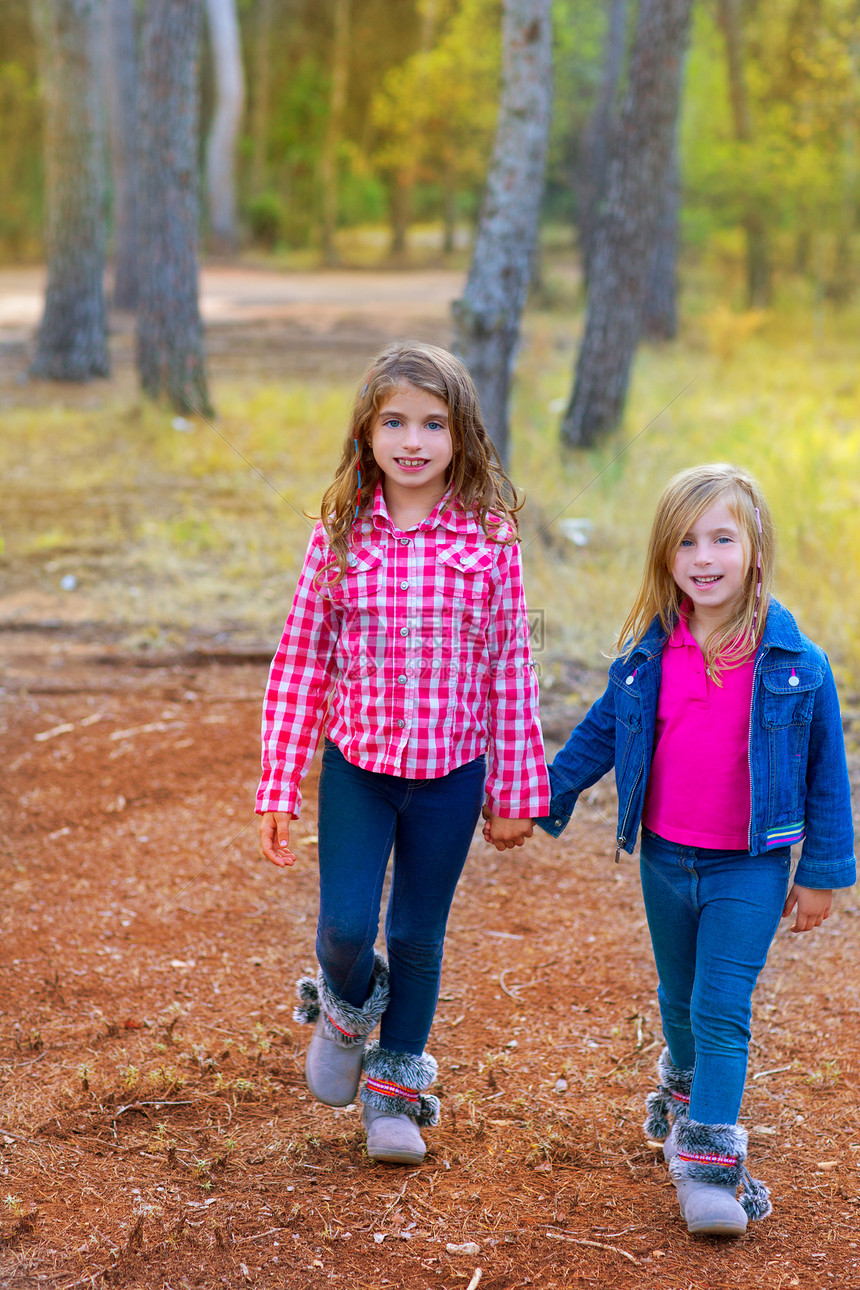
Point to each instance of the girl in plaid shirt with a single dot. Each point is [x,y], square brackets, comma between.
[407,645]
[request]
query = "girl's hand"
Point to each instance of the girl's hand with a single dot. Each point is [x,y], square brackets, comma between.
[813,906]
[275,838]
[505,834]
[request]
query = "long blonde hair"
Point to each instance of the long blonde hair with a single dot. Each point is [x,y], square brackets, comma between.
[476,478]
[687,496]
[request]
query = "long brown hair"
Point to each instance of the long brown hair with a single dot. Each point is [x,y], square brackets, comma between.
[476,478]
[687,496]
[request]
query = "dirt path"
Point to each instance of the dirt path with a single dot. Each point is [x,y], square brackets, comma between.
[155,1131]
[155,1128]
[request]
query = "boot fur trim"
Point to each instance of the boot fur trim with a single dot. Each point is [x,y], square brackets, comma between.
[709,1153]
[672,1098]
[755,1197]
[397,1084]
[347,1025]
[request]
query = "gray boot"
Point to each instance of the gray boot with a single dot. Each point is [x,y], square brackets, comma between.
[336,1051]
[670,1103]
[396,1104]
[707,1167]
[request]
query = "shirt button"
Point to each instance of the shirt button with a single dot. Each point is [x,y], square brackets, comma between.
[404,586]
[404,631]
[401,680]
[404,541]
[400,723]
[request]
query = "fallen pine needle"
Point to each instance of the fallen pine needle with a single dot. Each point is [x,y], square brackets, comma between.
[598,1245]
[479,1272]
[777,1070]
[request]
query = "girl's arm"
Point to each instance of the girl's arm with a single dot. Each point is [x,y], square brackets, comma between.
[517,786]
[301,679]
[586,757]
[827,858]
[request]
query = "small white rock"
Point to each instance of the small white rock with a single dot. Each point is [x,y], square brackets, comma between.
[561,1086]
[469,1247]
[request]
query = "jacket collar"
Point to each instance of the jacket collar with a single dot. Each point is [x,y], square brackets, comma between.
[780,630]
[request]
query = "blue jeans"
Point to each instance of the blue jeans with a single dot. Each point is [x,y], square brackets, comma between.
[712,916]
[430,823]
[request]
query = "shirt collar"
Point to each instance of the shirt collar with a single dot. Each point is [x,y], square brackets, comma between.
[682,635]
[445,514]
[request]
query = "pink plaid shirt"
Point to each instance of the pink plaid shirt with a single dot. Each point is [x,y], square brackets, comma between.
[416,662]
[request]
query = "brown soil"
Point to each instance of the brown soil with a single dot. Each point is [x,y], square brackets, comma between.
[155,1130]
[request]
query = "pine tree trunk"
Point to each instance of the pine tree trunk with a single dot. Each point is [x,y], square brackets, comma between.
[596,140]
[121,75]
[170,336]
[224,133]
[399,206]
[487,319]
[660,311]
[337,102]
[71,342]
[624,242]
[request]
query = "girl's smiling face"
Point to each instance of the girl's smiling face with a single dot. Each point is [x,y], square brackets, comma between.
[411,443]
[711,564]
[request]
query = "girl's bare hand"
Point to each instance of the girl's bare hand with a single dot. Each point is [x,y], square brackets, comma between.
[813,906]
[275,838]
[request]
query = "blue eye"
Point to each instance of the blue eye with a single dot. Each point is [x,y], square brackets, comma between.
[724,539]
[435,425]
[686,541]
[392,421]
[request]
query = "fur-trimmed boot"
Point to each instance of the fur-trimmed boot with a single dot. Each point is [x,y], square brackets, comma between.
[671,1099]
[335,1054]
[396,1104]
[707,1168]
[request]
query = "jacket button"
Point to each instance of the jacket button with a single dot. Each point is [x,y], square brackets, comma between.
[794,680]
[629,681]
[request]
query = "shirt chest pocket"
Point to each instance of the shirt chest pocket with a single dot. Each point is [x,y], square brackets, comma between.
[788,696]
[462,575]
[360,587]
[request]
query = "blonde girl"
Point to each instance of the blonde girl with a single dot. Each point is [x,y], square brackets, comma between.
[722,723]
[407,646]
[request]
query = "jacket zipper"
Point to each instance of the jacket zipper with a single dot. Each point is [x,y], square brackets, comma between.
[621,840]
[756,668]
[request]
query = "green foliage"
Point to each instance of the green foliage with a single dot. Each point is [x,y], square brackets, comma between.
[436,112]
[21,178]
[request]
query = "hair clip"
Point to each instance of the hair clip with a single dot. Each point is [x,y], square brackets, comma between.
[358,469]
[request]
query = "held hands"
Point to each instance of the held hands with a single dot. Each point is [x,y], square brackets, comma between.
[275,838]
[813,906]
[505,834]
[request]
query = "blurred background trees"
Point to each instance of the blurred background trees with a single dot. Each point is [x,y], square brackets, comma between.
[381,116]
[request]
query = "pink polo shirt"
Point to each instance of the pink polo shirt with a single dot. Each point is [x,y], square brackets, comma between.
[699,787]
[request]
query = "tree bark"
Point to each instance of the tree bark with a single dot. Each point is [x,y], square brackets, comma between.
[660,310]
[758,266]
[122,93]
[487,319]
[71,342]
[597,135]
[624,242]
[224,132]
[337,102]
[170,336]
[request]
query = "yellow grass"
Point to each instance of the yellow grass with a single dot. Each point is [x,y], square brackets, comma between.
[168,530]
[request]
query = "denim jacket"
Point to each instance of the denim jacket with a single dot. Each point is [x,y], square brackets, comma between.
[799,777]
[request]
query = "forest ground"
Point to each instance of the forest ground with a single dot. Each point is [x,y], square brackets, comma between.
[155,1130]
